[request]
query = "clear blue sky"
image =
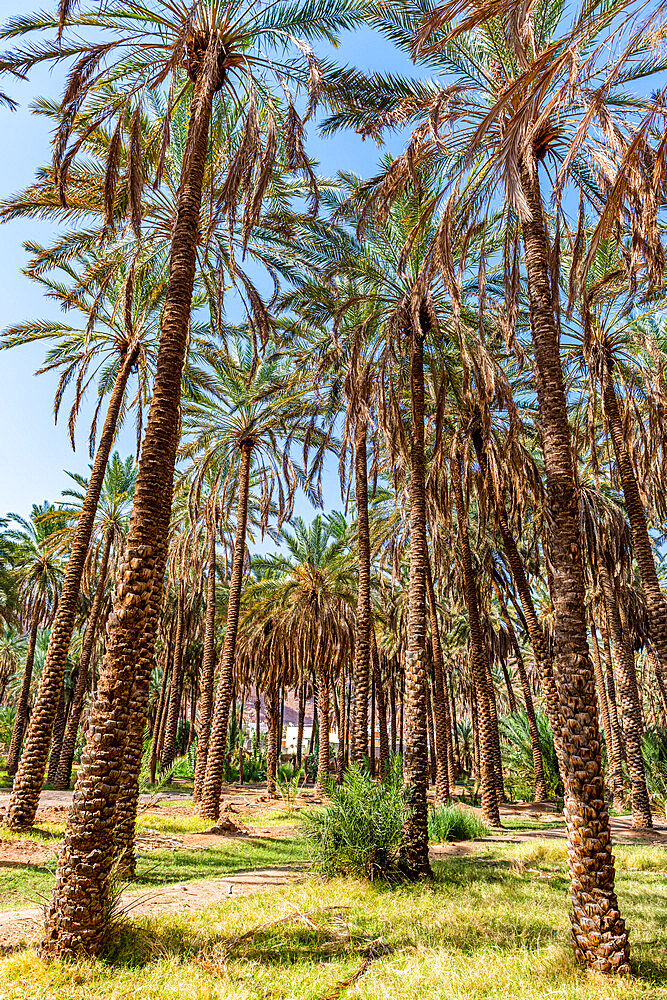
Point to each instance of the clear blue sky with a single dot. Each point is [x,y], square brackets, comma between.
[34,452]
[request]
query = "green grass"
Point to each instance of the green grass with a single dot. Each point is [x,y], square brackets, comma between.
[21,885]
[447,823]
[526,823]
[482,930]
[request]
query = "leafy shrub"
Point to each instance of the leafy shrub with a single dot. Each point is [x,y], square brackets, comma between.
[517,753]
[453,823]
[358,832]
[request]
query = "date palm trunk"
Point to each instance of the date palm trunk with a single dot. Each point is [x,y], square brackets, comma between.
[64,772]
[362,635]
[77,916]
[381,705]
[615,785]
[323,750]
[160,713]
[414,837]
[176,686]
[18,729]
[30,775]
[209,805]
[443,739]
[599,935]
[300,724]
[656,603]
[58,736]
[273,720]
[208,668]
[536,635]
[478,655]
[630,707]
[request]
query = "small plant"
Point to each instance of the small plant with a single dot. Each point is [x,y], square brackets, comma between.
[288,786]
[358,832]
[453,823]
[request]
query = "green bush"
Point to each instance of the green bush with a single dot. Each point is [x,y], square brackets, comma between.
[654,751]
[453,823]
[358,832]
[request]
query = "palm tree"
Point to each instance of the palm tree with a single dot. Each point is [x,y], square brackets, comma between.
[110,526]
[39,575]
[203,53]
[120,348]
[306,594]
[246,423]
[515,101]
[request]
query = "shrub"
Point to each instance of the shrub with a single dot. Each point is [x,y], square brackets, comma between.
[654,751]
[453,823]
[358,832]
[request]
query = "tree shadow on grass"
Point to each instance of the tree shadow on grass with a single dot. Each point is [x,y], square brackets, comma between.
[159,868]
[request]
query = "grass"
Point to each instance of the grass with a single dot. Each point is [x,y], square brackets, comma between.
[21,885]
[521,823]
[481,931]
[454,823]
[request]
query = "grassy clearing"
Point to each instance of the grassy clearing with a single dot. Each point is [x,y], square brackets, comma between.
[521,823]
[446,823]
[22,885]
[481,930]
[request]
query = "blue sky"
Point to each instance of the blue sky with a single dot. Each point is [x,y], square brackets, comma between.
[34,452]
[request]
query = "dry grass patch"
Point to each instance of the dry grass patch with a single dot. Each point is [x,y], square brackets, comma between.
[481,930]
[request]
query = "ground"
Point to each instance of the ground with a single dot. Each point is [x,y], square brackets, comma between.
[218,915]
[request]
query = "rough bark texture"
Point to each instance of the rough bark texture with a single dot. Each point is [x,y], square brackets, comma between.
[168,754]
[656,603]
[14,752]
[414,839]
[30,775]
[58,736]
[381,705]
[536,635]
[207,670]
[272,741]
[160,712]
[444,779]
[209,805]
[76,919]
[64,772]
[478,655]
[598,931]
[362,636]
[301,722]
[630,707]
[604,711]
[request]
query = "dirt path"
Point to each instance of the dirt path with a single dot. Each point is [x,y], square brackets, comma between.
[24,925]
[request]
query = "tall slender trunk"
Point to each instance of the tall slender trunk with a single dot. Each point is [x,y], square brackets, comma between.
[381,705]
[604,711]
[160,713]
[392,705]
[414,838]
[538,764]
[209,805]
[24,697]
[431,736]
[176,685]
[342,735]
[362,636]
[536,635]
[443,739]
[28,781]
[630,707]
[656,603]
[495,734]
[478,655]
[301,721]
[58,736]
[599,935]
[64,771]
[76,919]
[208,666]
[618,751]
[273,720]
[323,761]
